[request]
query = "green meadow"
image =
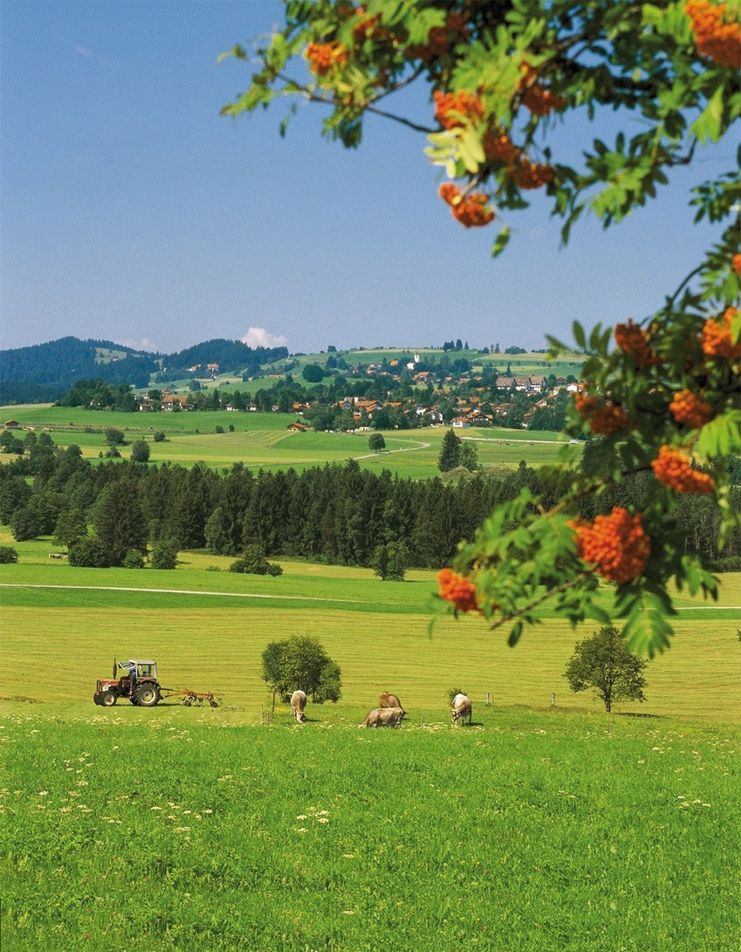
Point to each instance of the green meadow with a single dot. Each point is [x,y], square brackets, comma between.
[263,441]
[543,826]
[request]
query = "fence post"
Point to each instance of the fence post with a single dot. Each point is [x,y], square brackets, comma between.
[553,699]
[488,698]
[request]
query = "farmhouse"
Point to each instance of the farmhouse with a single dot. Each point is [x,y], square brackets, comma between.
[297,427]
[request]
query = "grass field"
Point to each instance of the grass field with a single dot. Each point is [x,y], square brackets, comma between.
[537,832]
[261,440]
[538,828]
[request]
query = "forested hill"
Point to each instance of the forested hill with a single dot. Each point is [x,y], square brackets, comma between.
[44,372]
[230,355]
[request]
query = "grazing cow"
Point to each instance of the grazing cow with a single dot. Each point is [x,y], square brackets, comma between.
[389,700]
[384,717]
[462,707]
[298,703]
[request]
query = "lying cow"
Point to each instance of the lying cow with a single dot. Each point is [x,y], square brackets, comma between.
[298,703]
[384,717]
[462,707]
[389,700]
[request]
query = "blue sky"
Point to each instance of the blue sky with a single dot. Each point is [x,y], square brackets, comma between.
[132,211]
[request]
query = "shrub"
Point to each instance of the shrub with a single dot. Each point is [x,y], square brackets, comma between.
[133,560]
[90,553]
[7,554]
[140,452]
[164,554]
[253,562]
[218,428]
[731,563]
[159,437]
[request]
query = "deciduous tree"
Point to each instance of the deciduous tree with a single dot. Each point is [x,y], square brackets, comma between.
[659,396]
[603,662]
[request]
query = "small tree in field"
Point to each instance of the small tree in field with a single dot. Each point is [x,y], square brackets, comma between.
[300,663]
[376,442]
[390,561]
[604,663]
[140,452]
[164,554]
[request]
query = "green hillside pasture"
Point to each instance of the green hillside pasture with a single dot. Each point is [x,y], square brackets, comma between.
[536,833]
[262,440]
[208,631]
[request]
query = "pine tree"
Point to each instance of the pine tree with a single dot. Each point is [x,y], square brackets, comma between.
[450,453]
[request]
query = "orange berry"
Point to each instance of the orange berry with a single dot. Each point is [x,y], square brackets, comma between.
[674,469]
[464,106]
[498,147]
[458,590]
[716,337]
[604,416]
[323,57]
[687,407]
[632,339]
[616,545]
[532,175]
[717,36]
[736,262]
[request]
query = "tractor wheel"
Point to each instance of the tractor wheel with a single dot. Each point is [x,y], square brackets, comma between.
[96,698]
[109,699]
[147,695]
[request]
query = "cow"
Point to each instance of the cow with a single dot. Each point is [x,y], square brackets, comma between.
[298,703]
[384,717]
[389,700]
[461,708]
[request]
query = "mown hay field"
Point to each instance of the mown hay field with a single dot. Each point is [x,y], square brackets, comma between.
[262,440]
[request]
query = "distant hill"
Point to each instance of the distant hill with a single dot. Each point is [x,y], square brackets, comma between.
[44,372]
[230,355]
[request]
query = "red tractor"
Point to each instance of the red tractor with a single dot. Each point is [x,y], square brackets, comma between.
[139,684]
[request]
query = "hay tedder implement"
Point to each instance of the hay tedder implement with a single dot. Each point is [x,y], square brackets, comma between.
[140,685]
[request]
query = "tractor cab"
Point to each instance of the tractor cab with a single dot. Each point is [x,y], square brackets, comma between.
[139,669]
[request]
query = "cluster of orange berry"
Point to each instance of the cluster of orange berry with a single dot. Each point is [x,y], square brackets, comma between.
[539,100]
[498,147]
[323,57]
[672,468]
[458,590]
[687,407]
[462,104]
[718,36]
[736,262]
[440,38]
[716,337]
[616,545]
[632,339]
[604,416]
[470,210]
[532,174]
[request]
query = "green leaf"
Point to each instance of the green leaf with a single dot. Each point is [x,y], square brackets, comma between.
[501,242]
[515,634]
[578,331]
[708,125]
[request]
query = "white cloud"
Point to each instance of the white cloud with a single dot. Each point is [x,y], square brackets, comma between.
[144,344]
[259,337]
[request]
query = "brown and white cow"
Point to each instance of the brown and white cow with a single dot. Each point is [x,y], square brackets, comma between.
[298,703]
[384,717]
[461,708]
[389,700]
